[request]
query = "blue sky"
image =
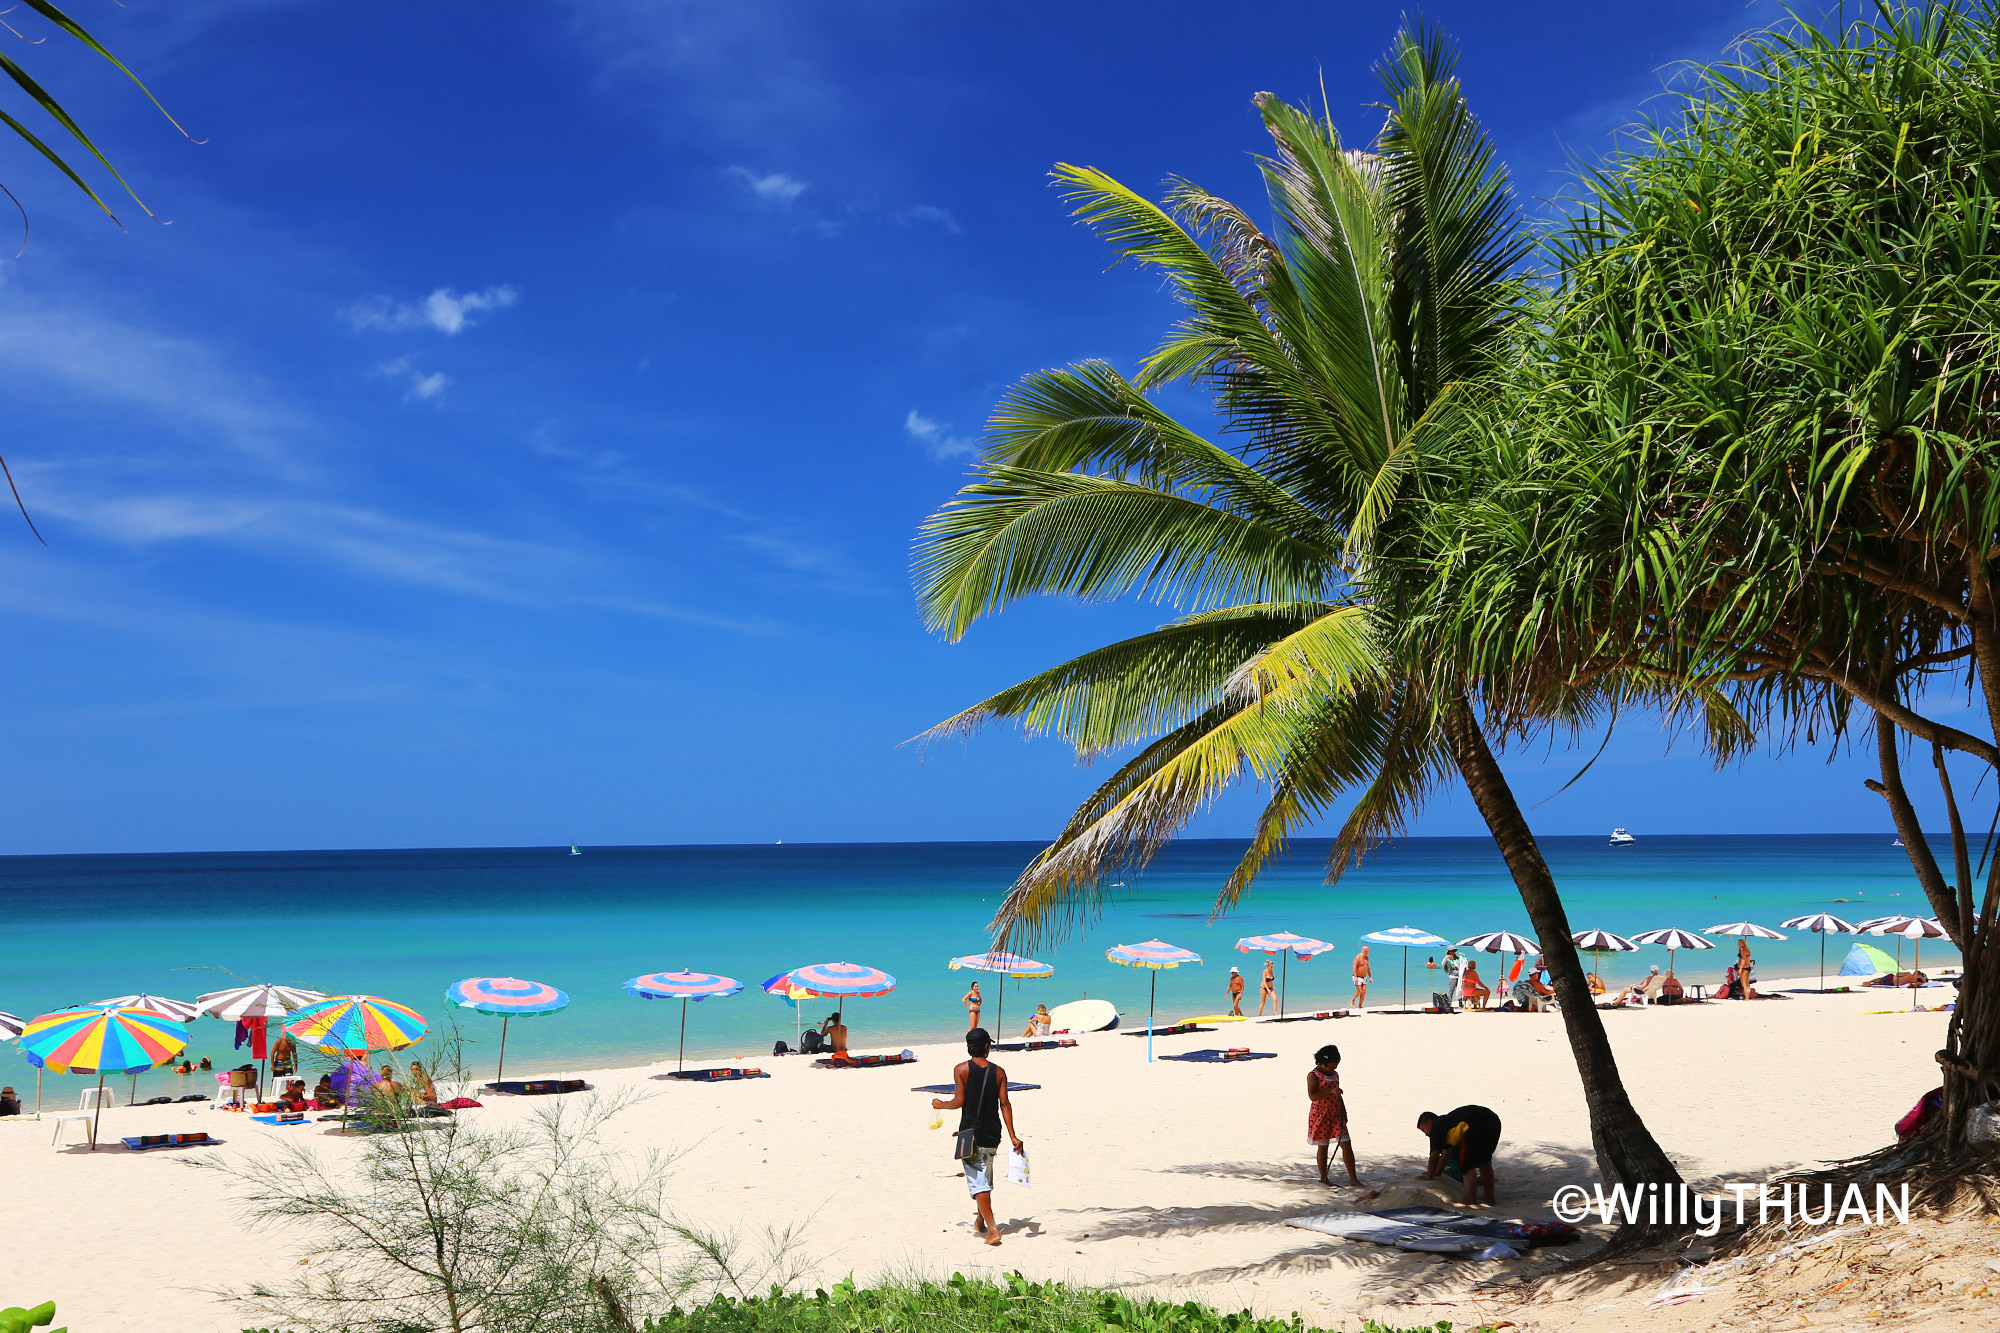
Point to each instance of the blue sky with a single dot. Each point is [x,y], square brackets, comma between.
[518,432]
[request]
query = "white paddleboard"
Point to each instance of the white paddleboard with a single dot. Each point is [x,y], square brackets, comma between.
[1084,1016]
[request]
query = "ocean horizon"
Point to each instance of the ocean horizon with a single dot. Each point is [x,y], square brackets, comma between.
[406,923]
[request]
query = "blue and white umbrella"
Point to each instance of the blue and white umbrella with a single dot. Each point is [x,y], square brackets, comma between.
[683,986]
[1408,938]
[1821,925]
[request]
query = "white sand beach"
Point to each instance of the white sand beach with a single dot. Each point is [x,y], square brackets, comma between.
[1171,1178]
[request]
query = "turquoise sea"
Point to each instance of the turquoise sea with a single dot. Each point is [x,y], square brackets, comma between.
[405,924]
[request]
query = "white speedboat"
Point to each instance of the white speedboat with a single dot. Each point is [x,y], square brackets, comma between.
[1620,838]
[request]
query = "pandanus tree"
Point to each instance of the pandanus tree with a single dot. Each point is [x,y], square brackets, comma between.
[1763,443]
[1346,350]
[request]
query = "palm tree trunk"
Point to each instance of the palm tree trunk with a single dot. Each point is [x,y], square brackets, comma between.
[1626,1151]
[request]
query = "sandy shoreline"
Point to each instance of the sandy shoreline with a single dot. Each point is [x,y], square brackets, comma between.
[1172,1176]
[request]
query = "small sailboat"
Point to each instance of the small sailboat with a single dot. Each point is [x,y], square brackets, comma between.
[1898,842]
[573,851]
[1620,838]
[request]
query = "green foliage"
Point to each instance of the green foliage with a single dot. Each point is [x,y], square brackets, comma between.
[14,1319]
[1015,1305]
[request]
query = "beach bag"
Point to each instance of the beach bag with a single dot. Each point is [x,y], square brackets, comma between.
[810,1042]
[1920,1113]
[781,1048]
[965,1143]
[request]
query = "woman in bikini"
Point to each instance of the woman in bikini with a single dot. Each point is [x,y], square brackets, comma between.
[972,1004]
[1326,1122]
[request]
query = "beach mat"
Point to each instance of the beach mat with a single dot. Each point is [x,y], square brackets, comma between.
[1375,1230]
[1216,1057]
[866,1062]
[946,1089]
[535,1087]
[1309,1018]
[1046,1044]
[713,1075]
[1169,1030]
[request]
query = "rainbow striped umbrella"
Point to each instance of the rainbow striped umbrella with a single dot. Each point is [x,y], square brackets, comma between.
[1006,965]
[1284,944]
[1155,956]
[508,998]
[358,1024]
[102,1041]
[683,986]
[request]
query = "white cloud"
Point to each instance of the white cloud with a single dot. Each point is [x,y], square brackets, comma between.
[445,310]
[416,383]
[777,187]
[932,215]
[936,436]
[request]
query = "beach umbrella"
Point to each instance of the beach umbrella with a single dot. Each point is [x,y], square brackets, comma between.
[1284,944]
[1744,930]
[782,987]
[100,1042]
[181,1011]
[1671,938]
[508,998]
[1155,956]
[1006,965]
[841,980]
[1409,937]
[1865,960]
[1916,928]
[1501,941]
[257,1000]
[1599,942]
[683,986]
[357,1024]
[1822,925]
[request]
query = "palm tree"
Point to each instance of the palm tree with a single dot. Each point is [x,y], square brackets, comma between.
[1345,353]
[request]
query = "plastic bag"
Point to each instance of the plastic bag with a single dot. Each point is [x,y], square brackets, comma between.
[1017,1168]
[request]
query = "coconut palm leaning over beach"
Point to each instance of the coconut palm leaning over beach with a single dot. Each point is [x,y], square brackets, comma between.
[1765,443]
[1346,353]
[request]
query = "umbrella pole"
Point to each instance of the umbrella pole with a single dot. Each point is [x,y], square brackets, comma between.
[1822,962]
[1000,1010]
[98,1116]
[38,1092]
[1915,968]
[132,1097]
[681,1063]
[501,1068]
[1284,977]
[1406,978]
[1152,989]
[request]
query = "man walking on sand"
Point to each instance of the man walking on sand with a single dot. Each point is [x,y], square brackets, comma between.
[1235,992]
[1362,973]
[980,1098]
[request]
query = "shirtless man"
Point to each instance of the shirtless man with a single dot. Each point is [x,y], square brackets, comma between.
[973,1003]
[1267,989]
[1362,973]
[1235,992]
[835,1032]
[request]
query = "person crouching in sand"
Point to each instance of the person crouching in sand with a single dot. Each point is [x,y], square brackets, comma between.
[980,1097]
[1326,1122]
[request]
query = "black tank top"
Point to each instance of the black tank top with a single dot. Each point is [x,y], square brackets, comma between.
[981,1111]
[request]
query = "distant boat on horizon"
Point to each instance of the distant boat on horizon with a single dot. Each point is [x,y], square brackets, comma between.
[1620,838]
[573,851]
[1898,842]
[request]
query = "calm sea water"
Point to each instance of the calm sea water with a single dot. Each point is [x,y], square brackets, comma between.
[405,924]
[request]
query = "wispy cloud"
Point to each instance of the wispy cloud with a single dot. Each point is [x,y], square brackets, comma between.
[776,187]
[417,385]
[931,215]
[936,436]
[445,310]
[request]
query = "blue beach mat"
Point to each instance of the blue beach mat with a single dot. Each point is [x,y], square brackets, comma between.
[1215,1057]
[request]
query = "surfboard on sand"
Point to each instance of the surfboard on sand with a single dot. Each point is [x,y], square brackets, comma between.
[1218,1018]
[1084,1016]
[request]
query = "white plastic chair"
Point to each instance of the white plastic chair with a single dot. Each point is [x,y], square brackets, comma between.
[93,1097]
[89,1129]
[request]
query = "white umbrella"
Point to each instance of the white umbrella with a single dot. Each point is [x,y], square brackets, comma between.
[259,1001]
[1595,942]
[1747,929]
[178,1010]
[1822,925]
[1501,941]
[1671,938]
[1409,937]
[1918,928]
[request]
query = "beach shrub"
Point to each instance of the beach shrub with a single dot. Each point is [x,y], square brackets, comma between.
[450,1225]
[1014,1305]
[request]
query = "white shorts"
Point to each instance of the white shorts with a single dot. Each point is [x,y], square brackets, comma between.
[979,1172]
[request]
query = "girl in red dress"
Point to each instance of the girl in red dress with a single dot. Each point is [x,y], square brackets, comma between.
[1326,1123]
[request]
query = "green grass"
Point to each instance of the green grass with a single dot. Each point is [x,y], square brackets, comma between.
[1015,1306]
